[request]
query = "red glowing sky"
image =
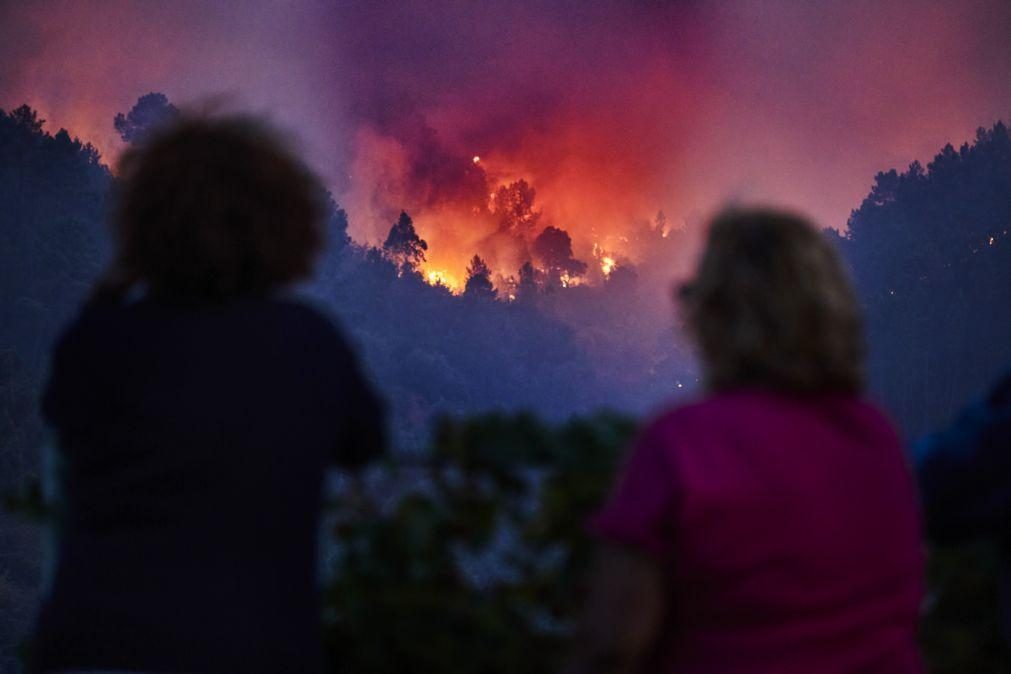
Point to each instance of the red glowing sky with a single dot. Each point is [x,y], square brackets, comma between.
[613,110]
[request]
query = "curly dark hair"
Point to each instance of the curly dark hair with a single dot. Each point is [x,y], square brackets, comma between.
[772,306]
[212,209]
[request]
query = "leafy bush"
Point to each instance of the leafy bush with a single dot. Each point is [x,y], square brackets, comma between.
[962,631]
[471,559]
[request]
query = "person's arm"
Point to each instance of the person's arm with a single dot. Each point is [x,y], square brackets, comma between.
[623,614]
[964,471]
[363,432]
[627,598]
[358,413]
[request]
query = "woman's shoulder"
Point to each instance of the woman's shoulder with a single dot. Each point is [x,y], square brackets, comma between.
[305,311]
[709,406]
[293,320]
[733,409]
[90,325]
[682,418]
[316,324]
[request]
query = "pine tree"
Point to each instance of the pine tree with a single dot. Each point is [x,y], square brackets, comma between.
[403,245]
[479,279]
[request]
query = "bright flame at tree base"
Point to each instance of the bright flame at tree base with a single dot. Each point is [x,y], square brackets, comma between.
[441,277]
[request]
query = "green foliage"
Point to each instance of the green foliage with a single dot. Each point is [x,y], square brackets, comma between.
[961,631]
[472,564]
[513,493]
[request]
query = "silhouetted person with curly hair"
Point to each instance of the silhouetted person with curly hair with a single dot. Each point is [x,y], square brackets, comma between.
[196,410]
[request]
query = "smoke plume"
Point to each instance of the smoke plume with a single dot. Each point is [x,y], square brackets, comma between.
[610,111]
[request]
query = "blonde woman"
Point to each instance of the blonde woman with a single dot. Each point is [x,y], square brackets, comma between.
[772,527]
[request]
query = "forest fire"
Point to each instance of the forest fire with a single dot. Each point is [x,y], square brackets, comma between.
[608,262]
[440,277]
[607,265]
[686,110]
[508,208]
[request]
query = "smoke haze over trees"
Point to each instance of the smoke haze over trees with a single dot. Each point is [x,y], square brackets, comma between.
[929,249]
[641,104]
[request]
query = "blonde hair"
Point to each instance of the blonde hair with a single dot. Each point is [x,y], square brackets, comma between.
[772,306]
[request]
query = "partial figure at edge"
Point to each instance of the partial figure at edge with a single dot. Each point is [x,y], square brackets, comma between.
[965,481]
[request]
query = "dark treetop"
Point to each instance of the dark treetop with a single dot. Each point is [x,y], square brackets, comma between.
[193,444]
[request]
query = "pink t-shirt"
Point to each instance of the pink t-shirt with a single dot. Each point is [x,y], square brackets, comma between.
[790,531]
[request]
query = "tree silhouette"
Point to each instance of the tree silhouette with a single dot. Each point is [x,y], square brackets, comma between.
[403,245]
[479,279]
[660,223]
[527,286]
[27,119]
[623,278]
[513,205]
[151,111]
[336,224]
[931,255]
[553,249]
[53,196]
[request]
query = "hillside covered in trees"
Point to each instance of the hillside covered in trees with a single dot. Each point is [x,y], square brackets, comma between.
[929,250]
[931,255]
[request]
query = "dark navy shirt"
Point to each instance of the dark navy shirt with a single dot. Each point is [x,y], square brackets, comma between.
[965,471]
[193,445]
[965,479]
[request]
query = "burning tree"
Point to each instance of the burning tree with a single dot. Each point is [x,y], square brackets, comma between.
[553,249]
[513,204]
[403,245]
[479,279]
[660,223]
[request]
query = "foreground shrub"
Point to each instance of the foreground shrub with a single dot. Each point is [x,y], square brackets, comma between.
[471,558]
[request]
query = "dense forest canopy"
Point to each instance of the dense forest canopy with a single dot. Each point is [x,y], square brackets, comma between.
[931,255]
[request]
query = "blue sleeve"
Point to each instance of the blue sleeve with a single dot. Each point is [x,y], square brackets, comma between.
[965,471]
